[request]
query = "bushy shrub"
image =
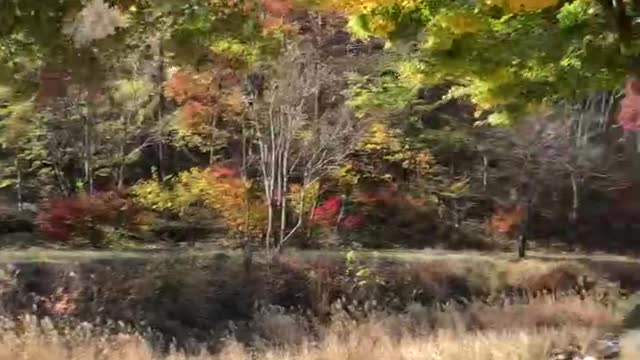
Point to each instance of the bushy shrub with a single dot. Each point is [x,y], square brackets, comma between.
[327,213]
[91,218]
[220,191]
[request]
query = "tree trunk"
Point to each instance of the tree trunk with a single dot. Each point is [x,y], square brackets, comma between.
[574,212]
[18,184]
[522,245]
[524,230]
[63,184]
[160,150]
[485,172]
[212,133]
[88,153]
[283,200]
[341,213]
[243,174]
[300,220]
[123,152]
[312,213]
[269,224]
[634,145]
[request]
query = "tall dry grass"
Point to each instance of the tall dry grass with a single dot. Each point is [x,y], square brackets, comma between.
[367,341]
[418,333]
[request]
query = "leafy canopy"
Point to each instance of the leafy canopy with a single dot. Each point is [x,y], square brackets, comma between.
[81,36]
[508,57]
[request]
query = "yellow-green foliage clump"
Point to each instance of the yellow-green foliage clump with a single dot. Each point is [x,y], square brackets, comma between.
[221,191]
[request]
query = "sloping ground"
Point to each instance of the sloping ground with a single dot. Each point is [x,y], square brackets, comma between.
[49,254]
[194,294]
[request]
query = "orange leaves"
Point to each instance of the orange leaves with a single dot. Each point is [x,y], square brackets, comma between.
[276,14]
[217,191]
[229,195]
[184,85]
[193,114]
[277,8]
[505,220]
[202,95]
[629,115]
[224,172]
[271,23]
[523,5]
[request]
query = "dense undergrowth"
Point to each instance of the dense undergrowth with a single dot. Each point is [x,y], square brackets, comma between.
[188,301]
[420,333]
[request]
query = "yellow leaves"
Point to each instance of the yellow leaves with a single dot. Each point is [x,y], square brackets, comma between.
[304,201]
[219,190]
[354,6]
[380,137]
[16,125]
[488,91]
[523,5]
[498,119]
[537,108]
[439,38]
[460,22]
[366,6]
[347,176]
[380,26]
[413,73]
[458,188]
[132,93]
[151,194]
[421,161]
[239,53]
[233,100]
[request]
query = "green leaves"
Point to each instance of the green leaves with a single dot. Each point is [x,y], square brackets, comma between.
[504,61]
[575,13]
[131,94]
[359,26]
[18,122]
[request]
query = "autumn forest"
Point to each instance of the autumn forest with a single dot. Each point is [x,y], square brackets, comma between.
[232,160]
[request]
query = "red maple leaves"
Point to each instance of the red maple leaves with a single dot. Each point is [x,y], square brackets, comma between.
[504,221]
[82,215]
[327,213]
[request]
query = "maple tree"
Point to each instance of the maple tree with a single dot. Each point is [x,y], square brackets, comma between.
[508,57]
[267,117]
[90,217]
[221,190]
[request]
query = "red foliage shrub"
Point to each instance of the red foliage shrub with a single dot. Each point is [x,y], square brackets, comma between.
[192,113]
[81,216]
[351,222]
[220,171]
[629,115]
[504,221]
[327,213]
[277,7]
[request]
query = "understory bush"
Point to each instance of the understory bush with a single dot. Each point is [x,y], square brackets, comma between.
[278,334]
[189,297]
[99,219]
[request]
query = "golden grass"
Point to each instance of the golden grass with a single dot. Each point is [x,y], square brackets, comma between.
[367,341]
[418,333]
